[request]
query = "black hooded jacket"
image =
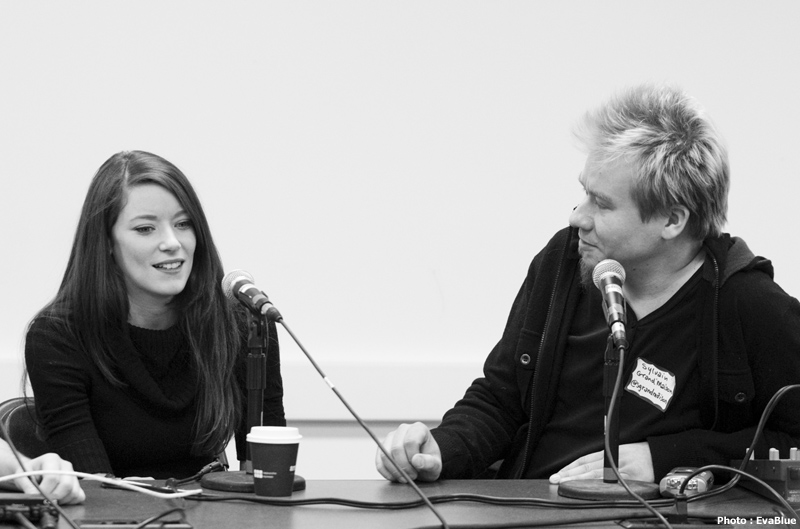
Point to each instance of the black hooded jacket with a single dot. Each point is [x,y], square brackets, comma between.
[748,348]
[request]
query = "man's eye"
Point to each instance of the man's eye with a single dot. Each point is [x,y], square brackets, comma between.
[601,204]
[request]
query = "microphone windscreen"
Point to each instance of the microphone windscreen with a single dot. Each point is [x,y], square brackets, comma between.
[232,277]
[607,267]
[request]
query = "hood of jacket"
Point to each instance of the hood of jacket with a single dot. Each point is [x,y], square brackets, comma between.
[733,255]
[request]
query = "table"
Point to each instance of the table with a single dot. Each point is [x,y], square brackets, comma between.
[107,504]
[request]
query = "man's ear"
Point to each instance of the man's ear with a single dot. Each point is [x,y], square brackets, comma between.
[677,219]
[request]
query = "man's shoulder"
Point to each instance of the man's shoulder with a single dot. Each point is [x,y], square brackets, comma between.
[734,256]
[555,263]
[753,294]
[563,243]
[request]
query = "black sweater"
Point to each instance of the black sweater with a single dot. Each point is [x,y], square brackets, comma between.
[143,429]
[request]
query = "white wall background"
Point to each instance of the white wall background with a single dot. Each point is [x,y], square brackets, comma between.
[386,170]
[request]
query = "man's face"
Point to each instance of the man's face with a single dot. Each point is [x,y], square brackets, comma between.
[608,220]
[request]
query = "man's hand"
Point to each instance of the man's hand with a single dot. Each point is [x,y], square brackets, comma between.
[635,462]
[415,450]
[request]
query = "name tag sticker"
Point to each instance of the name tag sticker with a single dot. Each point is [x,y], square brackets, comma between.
[651,383]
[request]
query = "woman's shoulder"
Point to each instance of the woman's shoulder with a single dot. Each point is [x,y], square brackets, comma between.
[50,332]
[50,322]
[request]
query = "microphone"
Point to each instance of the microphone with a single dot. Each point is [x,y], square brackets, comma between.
[609,276]
[238,285]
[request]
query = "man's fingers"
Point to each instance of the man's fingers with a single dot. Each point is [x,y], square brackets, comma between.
[395,444]
[429,467]
[589,466]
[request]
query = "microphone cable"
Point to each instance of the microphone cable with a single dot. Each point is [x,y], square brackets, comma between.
[214,466]
[466,498]
[607,441]
[738,472]
[144,523]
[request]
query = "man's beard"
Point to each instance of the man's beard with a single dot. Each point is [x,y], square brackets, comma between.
[586,274]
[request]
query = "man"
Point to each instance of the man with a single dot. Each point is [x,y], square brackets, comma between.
[711,336]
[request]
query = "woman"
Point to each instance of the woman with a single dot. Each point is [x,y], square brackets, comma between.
[137,365]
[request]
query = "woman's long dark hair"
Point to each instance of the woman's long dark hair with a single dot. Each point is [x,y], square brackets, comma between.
[92,304]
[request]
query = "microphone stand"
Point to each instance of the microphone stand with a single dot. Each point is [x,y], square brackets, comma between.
[257,340]
[609,488]
[611,420]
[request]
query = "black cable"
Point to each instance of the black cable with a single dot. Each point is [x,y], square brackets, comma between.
[741,470]
[23,521]
[366,428]
[443,498]
[47,498]
[738,472]
[446,498]
[216,465]
[152,519]
[463,497]
[522,524]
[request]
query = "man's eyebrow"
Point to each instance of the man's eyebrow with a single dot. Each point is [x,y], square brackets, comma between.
[594,194]
[600,196]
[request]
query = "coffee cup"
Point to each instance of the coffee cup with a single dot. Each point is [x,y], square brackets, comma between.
[273,450]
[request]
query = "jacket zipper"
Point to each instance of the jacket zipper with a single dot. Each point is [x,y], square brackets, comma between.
[522,468]
[715,330]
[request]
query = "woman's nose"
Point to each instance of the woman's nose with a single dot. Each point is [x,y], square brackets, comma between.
[170,243]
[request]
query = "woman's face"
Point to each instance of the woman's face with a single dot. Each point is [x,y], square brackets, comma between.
[153,244]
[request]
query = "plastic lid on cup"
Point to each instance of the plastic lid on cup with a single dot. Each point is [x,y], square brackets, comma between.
[274,435]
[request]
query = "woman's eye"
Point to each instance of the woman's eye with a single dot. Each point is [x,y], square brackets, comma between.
[143,229]
[184,224]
